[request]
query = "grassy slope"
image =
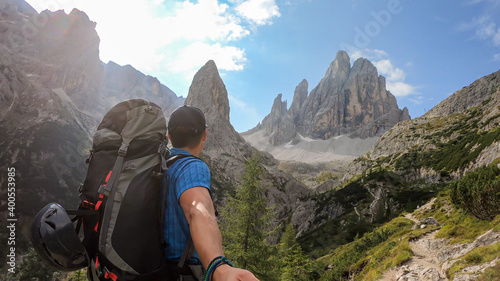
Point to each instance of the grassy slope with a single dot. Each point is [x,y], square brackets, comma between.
[367,258]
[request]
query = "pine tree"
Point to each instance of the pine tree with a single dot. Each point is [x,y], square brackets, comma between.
[245,221]
[295,265]
[31,268]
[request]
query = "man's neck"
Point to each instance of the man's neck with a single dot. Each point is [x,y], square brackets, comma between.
[195,151]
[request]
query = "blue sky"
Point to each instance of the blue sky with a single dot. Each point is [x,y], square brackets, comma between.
[426,49]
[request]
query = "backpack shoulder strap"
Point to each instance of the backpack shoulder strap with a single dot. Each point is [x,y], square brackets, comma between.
[189,249]
[109,191]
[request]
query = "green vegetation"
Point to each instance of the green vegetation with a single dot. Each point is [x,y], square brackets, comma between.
[348,223]
[245,224]
[477,256]
[478,193]
[457,225]
[326,176]
[31,268]
[451,143]
[449,156]
[490,274]
[294,264]
[246,219]
[371,254]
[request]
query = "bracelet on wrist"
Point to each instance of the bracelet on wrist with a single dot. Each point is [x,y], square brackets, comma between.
[214,264]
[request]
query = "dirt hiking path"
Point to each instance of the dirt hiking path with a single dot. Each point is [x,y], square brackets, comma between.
[424,265]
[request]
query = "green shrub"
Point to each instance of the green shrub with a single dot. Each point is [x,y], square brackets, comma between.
[478,193]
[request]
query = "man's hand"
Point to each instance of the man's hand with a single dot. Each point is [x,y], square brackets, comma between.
[227,273]
[200,214]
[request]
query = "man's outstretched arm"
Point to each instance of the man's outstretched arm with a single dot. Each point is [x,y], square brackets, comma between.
[200,214]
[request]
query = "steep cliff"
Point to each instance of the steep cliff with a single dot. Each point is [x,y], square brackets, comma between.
[226,152]
[347,101]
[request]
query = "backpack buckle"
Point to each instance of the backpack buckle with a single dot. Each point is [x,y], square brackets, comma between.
[98,269]
[123,150]
[103,190]
[88,205]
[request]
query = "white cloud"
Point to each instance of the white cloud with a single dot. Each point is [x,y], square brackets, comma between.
[484,27]
[393,73]
[395,76]
[496,57]
[192,57]
[400,89]
[206,19]
[259,11]
[417,100]
[366,53]
[161,37]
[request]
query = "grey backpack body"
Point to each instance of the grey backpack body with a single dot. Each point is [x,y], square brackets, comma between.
[123,186]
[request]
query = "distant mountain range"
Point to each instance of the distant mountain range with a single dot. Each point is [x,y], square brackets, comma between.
[343,116]
[349,101]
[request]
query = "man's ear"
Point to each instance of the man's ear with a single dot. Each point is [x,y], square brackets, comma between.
[204,138]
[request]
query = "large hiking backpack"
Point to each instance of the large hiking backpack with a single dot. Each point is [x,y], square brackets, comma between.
[123,187]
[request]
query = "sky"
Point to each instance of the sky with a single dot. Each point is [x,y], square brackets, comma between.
[426,49]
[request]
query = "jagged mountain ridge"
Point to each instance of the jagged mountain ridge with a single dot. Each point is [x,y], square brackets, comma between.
[347,101]
[226,152]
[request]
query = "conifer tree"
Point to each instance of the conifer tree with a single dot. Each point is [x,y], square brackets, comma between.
[295,265]
[245,221]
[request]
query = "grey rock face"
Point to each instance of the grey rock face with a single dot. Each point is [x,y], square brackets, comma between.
[347,101]
[54,92]
[278,127]
[299,96]
[226,152]
[125,82]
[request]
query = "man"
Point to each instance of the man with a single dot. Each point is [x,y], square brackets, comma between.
[189,211]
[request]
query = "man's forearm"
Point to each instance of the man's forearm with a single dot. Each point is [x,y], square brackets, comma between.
[200,214]
[205,233]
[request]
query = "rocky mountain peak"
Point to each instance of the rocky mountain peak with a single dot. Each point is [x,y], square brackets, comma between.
[340,66]
[226,151]
[279,107]
[299,96]
[347,101]
[363,66]
[209,92]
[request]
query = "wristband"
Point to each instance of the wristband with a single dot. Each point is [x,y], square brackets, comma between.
[214,264]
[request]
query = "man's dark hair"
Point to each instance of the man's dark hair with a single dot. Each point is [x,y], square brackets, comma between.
[186,126]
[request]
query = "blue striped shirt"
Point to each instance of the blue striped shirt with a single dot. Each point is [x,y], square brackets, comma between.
[184,174]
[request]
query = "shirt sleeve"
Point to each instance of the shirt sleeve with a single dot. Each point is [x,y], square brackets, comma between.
[192,174]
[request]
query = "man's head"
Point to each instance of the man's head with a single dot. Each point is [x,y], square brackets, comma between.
[186,127]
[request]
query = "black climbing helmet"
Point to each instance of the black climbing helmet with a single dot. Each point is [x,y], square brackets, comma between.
[55,239]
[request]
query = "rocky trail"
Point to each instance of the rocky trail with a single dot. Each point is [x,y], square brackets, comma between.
[432,257]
